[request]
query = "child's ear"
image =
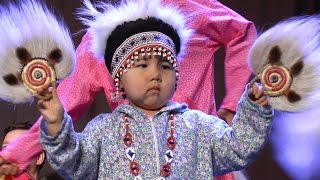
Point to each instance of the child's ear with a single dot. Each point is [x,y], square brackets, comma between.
[41,158]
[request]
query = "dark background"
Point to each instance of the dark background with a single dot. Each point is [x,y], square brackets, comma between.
[264,13]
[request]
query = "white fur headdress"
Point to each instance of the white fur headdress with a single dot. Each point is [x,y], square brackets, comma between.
[28,31]
[133,28]
[286,58]
[101,23]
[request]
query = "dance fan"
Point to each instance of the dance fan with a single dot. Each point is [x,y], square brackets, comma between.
[35,51]
[286,60]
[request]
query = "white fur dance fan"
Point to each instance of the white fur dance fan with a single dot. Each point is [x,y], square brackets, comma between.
[35,50]
[286,59]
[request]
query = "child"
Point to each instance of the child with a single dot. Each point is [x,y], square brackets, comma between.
[150,137]
[216,26]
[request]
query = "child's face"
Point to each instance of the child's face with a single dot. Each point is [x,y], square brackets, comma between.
[149,84]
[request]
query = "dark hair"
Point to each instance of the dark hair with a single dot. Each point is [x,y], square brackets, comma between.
[127,29]
[20,126]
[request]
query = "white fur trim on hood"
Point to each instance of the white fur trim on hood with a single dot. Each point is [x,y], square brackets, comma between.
[101,23]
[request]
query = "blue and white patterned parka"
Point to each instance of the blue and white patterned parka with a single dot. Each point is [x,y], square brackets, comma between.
[206,145]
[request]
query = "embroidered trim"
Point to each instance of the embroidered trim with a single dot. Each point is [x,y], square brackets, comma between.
[141,41]
[134,166]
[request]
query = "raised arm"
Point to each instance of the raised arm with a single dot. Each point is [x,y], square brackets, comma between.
[233,148]
[76,93]
[73,155]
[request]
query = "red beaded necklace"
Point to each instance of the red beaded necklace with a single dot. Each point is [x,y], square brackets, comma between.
[171,144]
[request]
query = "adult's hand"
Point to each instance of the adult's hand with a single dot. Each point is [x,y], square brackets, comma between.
[226,115]
[6,168]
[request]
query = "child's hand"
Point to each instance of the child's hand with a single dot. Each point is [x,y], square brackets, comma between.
[52,111]
[256,94]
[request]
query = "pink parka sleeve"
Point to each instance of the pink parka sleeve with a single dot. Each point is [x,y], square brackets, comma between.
[215,26]
[236,35]
[91,75]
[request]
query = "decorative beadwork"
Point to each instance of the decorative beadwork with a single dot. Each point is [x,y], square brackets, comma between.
[37,75]
[144,43]
[165,170]
[127,139]
[131,153]
[137,178]
[134,168]
[168,156]
[276,79]
[171,144]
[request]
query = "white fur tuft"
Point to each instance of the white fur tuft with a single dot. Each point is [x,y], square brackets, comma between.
[298,39]
[101,24]
[31,25]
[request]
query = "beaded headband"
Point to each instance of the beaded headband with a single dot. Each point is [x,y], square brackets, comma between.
[103,22]
[145,43]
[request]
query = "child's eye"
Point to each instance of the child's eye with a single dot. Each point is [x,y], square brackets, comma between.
[141,66]
[167,66]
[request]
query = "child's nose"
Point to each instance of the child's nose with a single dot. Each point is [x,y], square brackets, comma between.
[156,74]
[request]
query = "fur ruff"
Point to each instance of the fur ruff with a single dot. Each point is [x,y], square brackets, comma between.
[101,23]
[295,134]
[298,39]
[32,26]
